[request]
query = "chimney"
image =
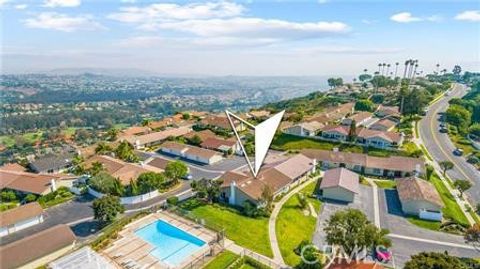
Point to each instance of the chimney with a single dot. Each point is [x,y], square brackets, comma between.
[231,199]
[53,184]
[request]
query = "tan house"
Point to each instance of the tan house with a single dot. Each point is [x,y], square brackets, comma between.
[335,132]
[203,135]
[151,139]
[311,128]
[221,123]
[419,198]
[392,167]
[360,118]
[220,144]
[240,186]
[196,154]
[384,125]
[387,111]
[39,184]
[124,171]
[340,184]
[38,249]
[20,218]
[379,139]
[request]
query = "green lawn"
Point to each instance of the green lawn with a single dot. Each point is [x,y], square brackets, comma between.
[386,184]
[247,266]
[223,260]
[452,209]
[293,226]
[426,153]
[292,142]
[430,225]
[251,233]
[32,137]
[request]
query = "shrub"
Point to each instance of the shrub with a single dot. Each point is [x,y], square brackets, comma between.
[8,196]
[172,200]
[30,198]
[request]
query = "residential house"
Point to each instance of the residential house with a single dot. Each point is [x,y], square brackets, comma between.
[259,114]
[392,167]
[39,184]
[203,135]
[124,171]
[419,198]
[52,163]
[361,118]
[342,263]
[13,167]
[20,218]
[196,154]
[135,130]
[379,139]
[335,132]
[222,145]
[151,139]
[387,111]
[311,128]
[279,176]
[38,249]
[221,123]
[340,184]
[385,125]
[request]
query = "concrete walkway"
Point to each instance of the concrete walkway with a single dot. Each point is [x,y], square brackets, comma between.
[376,209]
[277,255]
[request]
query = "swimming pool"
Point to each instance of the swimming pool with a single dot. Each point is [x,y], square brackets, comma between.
[172,245]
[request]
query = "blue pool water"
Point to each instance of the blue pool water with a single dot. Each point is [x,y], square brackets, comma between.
[172,245]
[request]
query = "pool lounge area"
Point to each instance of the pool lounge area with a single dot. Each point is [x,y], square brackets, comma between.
[160,240]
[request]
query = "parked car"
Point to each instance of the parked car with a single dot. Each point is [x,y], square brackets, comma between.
[188,177]
[443,130]
[458,152]
[383,254]
[443,125]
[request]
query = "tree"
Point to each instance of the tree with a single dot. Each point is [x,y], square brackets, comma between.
[428,172]
[378,98]
[134,190]
[267,197]
[146,122]
[186,116]
[352,132]
[446,165]
[302,201]
[364,105]
[107,208]
[96,168]
[150,181]
[459,117]
[103,148]
[352,230]
[195,140]
[30,198]
[105,183]
[457,70]
[125,152]
[364,77]
[472,236]
[434,260]
[207,189]
[176,170]
[8,196]
[112,134]
[462,185]
[474,130]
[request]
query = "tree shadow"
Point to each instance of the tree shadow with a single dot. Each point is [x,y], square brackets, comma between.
[394,206]
[86,229]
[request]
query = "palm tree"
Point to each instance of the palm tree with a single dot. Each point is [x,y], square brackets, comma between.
[379,68]
[383,68]
[438,68]
[388,69]
[414,71]
[407,62]
[365,71]
[396,68]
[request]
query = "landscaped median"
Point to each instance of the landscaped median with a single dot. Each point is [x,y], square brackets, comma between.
[296,224]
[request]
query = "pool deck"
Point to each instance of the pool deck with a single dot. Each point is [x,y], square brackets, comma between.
[130,251]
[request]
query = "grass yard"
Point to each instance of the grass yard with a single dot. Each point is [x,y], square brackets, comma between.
[223,260]
[9,140]
[452,209]
[293,226]
[425,152]
[386,184]
[251,233]
[292,142]
[430,225]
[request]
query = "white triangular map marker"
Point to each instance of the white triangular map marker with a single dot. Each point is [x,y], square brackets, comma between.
[263,134]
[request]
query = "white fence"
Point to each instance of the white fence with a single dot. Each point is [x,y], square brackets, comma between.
[128,200]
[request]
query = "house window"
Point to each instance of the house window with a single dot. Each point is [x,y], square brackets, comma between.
[376,171]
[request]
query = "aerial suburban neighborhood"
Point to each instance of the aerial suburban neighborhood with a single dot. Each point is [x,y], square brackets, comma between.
[220,135]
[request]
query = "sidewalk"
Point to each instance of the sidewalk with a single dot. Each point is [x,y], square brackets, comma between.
[277,255]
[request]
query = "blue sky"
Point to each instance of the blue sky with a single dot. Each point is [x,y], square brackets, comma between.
[325,37]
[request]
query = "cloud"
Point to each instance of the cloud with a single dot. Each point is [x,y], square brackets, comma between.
[404,17]
[62,3]
[165,12]
[62,22]
[21,6]
[469,15]
[322,1]
[129,1]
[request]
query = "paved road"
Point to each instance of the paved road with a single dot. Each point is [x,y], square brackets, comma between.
[441,148]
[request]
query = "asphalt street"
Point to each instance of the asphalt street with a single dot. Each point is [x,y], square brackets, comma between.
[441,148]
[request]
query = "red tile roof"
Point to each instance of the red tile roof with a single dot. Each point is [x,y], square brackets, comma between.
[415,189]
[341,177]
[20,213]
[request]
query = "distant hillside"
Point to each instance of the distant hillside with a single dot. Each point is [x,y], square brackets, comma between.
[309,104]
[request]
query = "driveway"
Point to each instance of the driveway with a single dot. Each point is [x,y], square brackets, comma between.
[363,202]
[408,239]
